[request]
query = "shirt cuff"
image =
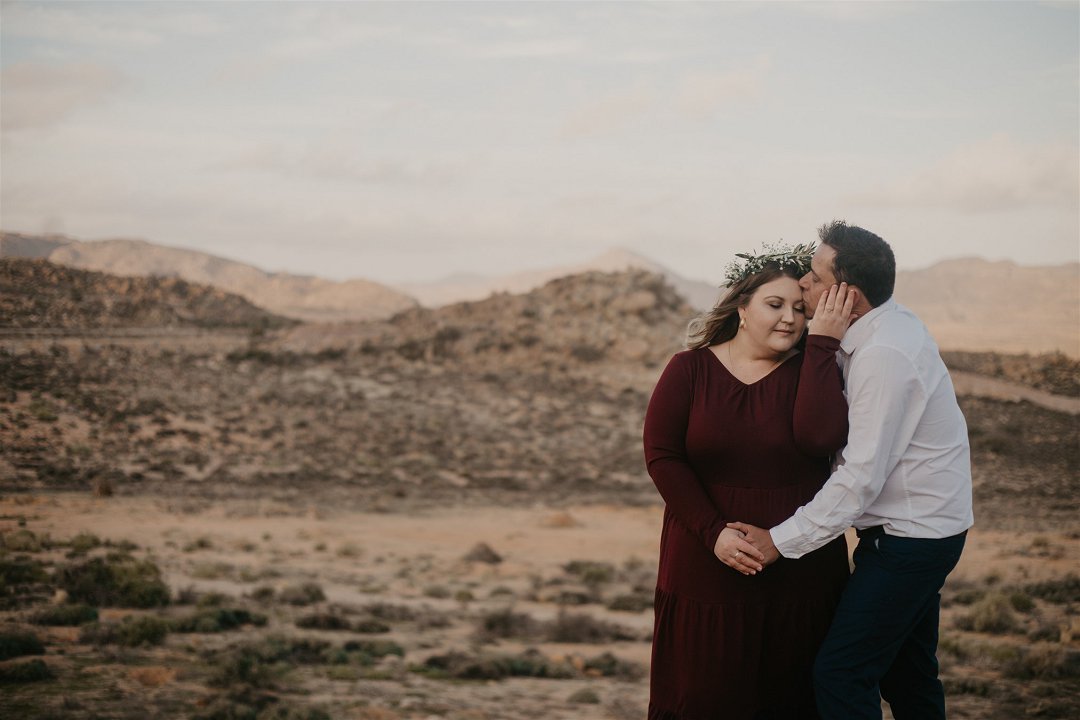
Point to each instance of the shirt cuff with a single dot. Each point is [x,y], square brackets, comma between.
[785,537]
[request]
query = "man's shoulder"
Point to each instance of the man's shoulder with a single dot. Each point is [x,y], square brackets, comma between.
[901,330]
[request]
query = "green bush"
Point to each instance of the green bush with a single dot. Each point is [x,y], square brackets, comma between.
[22,540]
[20,571]
[83,543]
[992,614]
[19,643]
[116,581]
[323,621]
[212,620]
[131,632]
[305,594]
[25,672]
[65,615]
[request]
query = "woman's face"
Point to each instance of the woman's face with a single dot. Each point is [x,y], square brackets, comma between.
[775,316]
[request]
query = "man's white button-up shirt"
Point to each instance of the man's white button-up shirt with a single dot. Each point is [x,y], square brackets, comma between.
[907,463]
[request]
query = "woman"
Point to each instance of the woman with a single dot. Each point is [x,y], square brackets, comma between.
[741,426]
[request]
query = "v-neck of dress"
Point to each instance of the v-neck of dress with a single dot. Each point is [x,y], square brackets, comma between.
[736,378]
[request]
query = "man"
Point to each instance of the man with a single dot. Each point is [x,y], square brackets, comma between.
[904,483]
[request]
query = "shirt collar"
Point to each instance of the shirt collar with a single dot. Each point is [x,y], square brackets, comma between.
[861,330]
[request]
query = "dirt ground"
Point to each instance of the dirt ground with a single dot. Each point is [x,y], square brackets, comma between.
[417,562]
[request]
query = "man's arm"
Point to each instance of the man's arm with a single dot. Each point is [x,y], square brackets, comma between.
[886,398]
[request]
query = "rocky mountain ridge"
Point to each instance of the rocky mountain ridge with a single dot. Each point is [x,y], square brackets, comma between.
[36,293]
[301,297]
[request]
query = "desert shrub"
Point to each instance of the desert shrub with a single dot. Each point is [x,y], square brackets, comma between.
[19,643]
[25,672]
[212,620]
[304,594]
[610,666]
[581,628]
[212,600]
[323,621]
[966,686]
[584,696]
[20,571]
[65,615]
[530,663]
[371,626]
[368,652]
[200,543]
[1060,591]
[1021,602]
[118,580]
[464,596]
[1045,661]
[390,612]
[439,592]
[263,594]
[482,552]
[993,614]
[22,540]
[259,663]
[131,632]
[635,603]
[573,597]
[83,543]
[505,623]
[590,572]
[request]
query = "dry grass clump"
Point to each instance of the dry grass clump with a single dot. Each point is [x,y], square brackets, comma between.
[118,580]
[307,593]
[992,614]
[65,616]
[607,665]
[25,672]
[131,632]
[581,628]
[584,696]
[153,676]
[19,643]
[1060,591]
[632,603]
[482,552]
[590,572]
[214,620]
[323,621]
[531,663]
[22,540]
[505,623]
[1046,661]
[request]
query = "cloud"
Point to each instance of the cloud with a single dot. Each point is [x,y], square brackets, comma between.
[701,94]
[607,114]
[105,26]
[989,176]
[39,94]
[339,162]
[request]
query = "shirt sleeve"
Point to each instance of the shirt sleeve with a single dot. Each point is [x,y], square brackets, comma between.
[666,421]
[820,422]
[886,400]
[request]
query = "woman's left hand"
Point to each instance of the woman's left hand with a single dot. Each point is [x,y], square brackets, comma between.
[833,314]
[736,553]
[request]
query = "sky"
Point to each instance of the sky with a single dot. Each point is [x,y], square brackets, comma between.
[408,141]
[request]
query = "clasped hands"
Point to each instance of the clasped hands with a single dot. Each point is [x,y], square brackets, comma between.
[745,548]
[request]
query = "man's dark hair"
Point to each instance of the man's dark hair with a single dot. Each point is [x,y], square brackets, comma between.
[862,259]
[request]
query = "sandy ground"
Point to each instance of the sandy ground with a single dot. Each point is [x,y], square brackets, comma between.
[360,558]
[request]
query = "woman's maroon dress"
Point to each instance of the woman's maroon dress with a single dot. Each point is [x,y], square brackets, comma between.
[727,645]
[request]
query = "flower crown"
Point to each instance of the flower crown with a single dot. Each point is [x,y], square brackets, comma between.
[751,263]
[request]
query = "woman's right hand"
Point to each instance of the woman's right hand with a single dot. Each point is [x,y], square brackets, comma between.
[734,551]
[833,314]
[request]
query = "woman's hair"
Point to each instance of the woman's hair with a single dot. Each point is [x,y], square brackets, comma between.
[722,322]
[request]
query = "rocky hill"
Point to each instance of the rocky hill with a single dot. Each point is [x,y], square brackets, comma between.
[35,293]
[460,288]
[297,296]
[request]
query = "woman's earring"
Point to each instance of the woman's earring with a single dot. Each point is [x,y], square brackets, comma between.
[742,323]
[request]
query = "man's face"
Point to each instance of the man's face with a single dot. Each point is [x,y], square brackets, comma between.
[819,279]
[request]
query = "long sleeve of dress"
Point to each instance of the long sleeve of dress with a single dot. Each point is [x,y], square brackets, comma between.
[665,453]
[820,422]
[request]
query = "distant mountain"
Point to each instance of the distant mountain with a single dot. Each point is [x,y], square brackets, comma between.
[35,293]
[297,296]
[975,304]
[461,287]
